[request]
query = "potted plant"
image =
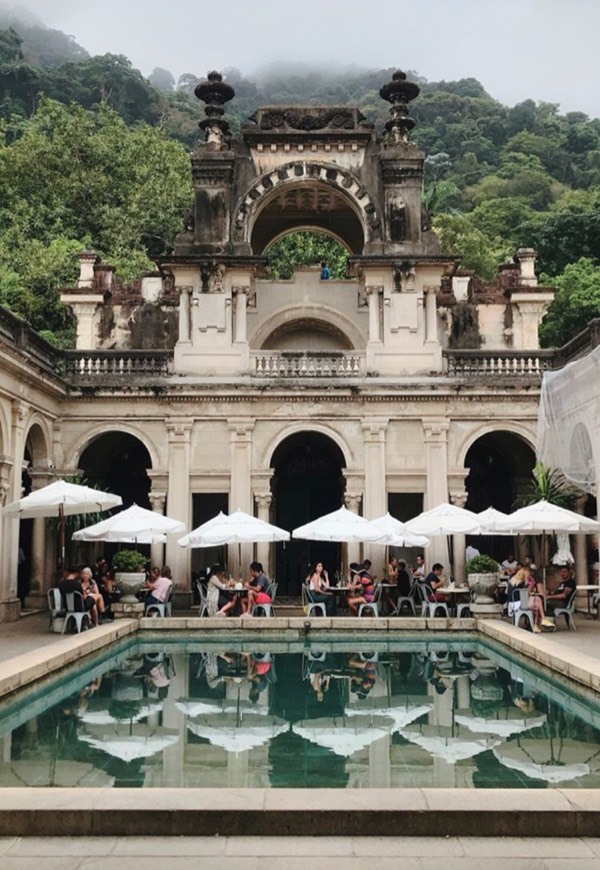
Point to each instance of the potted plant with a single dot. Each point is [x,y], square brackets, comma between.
[482,576]
[130,576]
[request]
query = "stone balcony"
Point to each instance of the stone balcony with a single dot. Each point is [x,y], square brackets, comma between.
[296,364]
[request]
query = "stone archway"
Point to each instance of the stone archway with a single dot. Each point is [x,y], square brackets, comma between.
[307,483]
[499,464]
[118,461]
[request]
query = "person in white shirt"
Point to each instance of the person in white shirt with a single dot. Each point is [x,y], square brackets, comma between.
[510,564]
[471,552]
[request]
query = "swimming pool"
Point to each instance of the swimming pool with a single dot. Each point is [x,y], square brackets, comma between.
[422,712]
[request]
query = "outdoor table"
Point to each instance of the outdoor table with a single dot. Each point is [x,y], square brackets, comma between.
[341,592]
[590,589]
[453,591]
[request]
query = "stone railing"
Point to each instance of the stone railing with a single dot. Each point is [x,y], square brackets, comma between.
[18,334]
[297,364]
[500,363]
[580,345]
[93,366]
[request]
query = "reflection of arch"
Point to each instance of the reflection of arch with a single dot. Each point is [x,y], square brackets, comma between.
[302,193]
[581,467]
[298,314]
[270,451]
[119,462]
[85,440]
[498,462]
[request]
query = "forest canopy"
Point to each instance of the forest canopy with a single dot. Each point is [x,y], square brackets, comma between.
[99,133]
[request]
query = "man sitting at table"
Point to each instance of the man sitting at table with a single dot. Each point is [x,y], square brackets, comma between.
[434,580]
[257,587]
[564,591]
[510,565]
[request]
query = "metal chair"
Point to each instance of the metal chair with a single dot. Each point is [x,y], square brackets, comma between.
[57,610]
[567,611]
[406,600]
[523,611]
[266,609]
[463,608]
[373,606]
[308,604]
[163,608]
[429,606]
[203,606]
[74,611]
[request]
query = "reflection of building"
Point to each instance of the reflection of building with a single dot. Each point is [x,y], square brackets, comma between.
[208,385]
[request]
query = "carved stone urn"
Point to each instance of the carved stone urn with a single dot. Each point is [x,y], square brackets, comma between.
[484,587]
[129,584]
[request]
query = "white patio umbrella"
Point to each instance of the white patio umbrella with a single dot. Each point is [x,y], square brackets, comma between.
[489,519]
[227,731]
[62,499]
[340,736]
[399,716]
[135,525]
[235,528]
[343,526]
[442,741]
[445,519]
[399,534]
[102,716]
[128,747]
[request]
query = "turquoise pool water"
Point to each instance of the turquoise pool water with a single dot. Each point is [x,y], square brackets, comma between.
[417,713]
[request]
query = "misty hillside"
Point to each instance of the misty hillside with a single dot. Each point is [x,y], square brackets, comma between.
[497,177]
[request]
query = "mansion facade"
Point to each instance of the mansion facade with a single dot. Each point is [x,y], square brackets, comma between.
[210,385]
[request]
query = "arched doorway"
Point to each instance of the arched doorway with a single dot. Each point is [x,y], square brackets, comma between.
[308,482]
[500,464]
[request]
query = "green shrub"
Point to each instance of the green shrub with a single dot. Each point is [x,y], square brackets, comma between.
[481,565]
[129,561]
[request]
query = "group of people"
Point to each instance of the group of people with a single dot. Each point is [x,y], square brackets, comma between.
[227,597]
[542,606]
[98,592]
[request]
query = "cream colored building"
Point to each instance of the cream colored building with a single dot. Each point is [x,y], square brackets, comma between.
[283,398]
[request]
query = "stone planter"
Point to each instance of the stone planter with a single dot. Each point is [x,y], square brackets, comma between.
[129,584]
[483,587]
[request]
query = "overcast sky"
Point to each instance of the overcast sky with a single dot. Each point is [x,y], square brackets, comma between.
[519,49]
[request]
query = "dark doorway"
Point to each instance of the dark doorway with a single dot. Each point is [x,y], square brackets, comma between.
[118,462]
[308,482]
[500,464]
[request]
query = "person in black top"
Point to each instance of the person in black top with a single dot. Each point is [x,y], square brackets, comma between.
[434,580]
[404,580]
[564,591]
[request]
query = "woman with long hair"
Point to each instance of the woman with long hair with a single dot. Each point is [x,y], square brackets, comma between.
[318,583]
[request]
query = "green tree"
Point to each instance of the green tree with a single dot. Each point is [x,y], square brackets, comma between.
[307,248]
[576,303]
[477,250]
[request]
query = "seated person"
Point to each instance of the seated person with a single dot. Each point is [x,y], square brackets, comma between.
[419,572]
[433,581]
[318,584]
[158,586]
[510,565]
[525,579]
[257,587]
[221,599]
[563,592]
[362,590]
[72,583]
[90,590]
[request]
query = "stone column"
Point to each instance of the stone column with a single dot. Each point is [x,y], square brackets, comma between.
[374,294]
[435,432]
[184,315]
[431,334]
[158,501]
[10,607]
[240,487]
[375,499]
[459,543]
[352,502]
[40,581]
[241,307]
[6,465]
[179,430]
[581,551]
[263,550]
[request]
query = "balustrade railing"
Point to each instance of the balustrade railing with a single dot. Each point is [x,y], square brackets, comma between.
[292,364]
[507,363]
[94,365]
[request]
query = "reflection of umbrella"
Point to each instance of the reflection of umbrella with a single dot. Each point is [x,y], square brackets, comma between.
[401,536]
[503,726]
[553,759]
[440,740]
[445,519]
[135,525]
[341,525]
[206,706]
[342,737]
[128,747]
[62,499]
[399,717]
[236,528]
[225,730]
